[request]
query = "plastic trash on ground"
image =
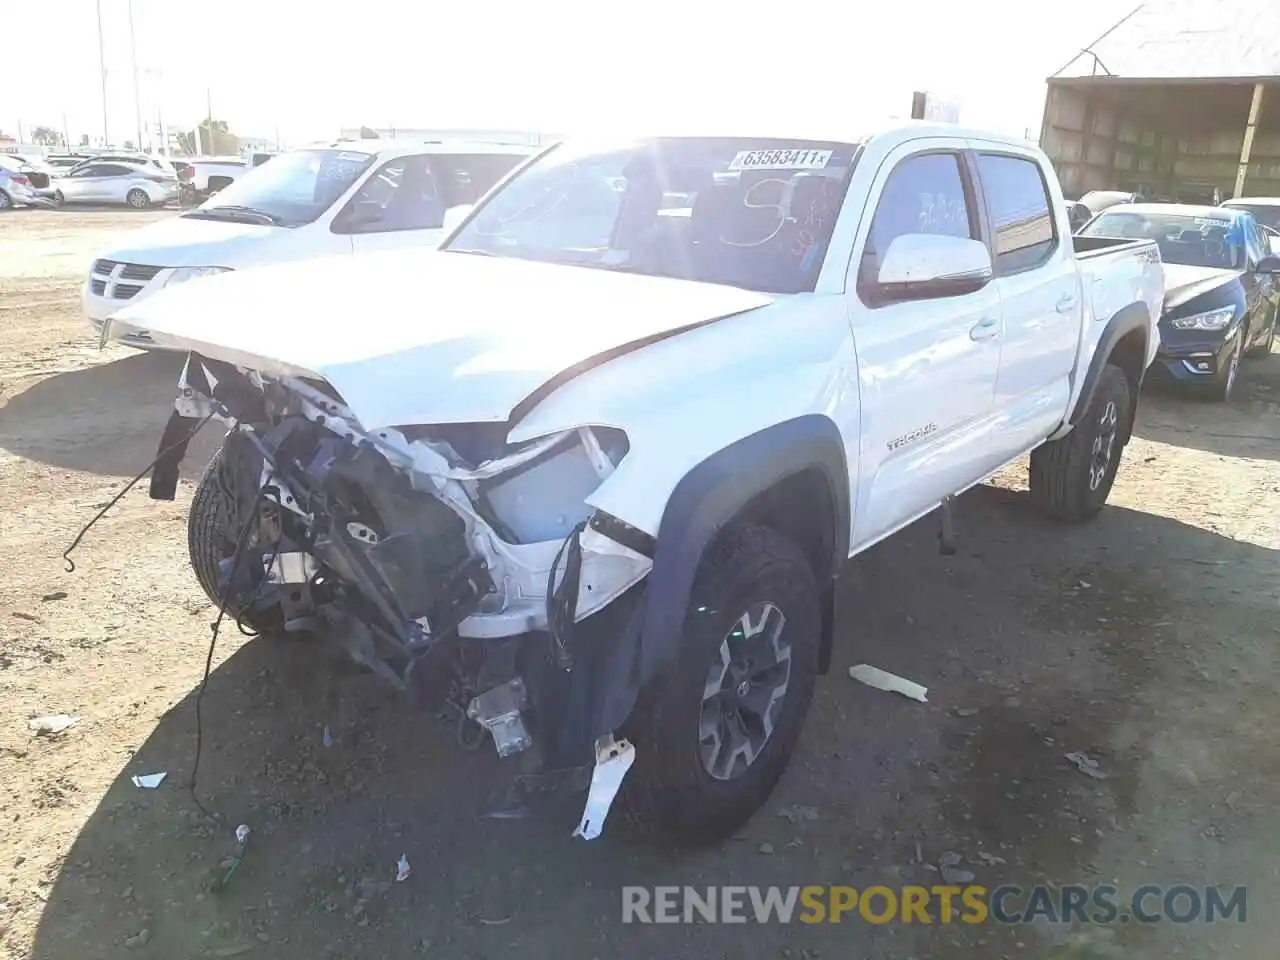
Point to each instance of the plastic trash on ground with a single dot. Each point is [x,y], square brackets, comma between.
[884,680]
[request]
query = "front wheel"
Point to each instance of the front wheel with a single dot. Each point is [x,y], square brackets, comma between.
[6,202]
[58,198]
[715,734]
[1223,385]
[212,539]
[1072,476]
[138,199]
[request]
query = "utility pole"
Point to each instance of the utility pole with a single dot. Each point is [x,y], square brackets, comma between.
[208,125]
[137,97]
[102,66]
[66,133]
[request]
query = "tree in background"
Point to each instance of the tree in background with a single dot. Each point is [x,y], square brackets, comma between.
[214,138]
[187,142]
[368,133]
[47,137]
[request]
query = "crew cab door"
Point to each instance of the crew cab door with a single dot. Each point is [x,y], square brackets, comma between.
[927,366]
[1038,281]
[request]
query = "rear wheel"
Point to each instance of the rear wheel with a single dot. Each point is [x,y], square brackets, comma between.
[137,199]
[58,198]
[715,734]
[1072,476]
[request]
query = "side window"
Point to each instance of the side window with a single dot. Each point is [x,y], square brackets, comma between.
[94,171]
[924,194]
[465,178]
[402,194]
[113,170]
[1021,219]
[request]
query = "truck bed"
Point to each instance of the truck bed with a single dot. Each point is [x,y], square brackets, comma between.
[1116,273]
[1093,246]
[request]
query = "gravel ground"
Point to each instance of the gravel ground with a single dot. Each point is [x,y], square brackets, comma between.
[1146,639]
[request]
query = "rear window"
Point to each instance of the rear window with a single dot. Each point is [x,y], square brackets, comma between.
[1020,214]
[1214,238]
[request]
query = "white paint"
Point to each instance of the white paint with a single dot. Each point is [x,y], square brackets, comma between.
[421,337]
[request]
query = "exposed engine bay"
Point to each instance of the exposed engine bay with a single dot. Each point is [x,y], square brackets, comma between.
[434,550]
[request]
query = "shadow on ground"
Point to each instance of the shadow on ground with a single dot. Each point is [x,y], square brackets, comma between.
[1248,426]
[1035,641]
[104,419]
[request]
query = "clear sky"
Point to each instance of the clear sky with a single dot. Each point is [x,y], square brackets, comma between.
[305,68]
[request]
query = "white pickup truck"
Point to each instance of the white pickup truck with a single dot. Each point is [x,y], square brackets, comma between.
[600,460]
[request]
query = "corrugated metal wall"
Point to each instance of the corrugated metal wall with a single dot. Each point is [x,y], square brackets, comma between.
[1110,137]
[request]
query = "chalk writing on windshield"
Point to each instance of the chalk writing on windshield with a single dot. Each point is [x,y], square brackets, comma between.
[942,214]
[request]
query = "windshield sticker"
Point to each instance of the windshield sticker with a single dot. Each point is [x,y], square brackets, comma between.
[1211,222]
[354,157]
[780,160]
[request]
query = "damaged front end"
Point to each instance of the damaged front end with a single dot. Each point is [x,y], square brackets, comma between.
[438,557]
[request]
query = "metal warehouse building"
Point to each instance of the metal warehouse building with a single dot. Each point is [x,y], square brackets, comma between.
[1180,100]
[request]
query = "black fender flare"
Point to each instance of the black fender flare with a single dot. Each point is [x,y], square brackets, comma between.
[705,500]
[711,494]
[1123,322]
[629,643]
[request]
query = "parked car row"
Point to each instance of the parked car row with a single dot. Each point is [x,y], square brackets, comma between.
[134,179]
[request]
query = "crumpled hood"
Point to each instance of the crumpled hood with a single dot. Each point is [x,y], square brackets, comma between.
[1183,283]
[188,242]
[416,336]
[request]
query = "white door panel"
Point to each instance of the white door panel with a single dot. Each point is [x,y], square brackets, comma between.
[927,368]
[1039,286]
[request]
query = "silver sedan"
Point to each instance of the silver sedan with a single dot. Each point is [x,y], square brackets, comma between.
[136,185]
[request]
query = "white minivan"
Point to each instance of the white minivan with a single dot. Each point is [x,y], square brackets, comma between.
[343,198]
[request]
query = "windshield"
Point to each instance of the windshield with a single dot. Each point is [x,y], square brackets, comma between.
[1267,214]
[291,190]
[1205,241]
[10,164]
[749,213]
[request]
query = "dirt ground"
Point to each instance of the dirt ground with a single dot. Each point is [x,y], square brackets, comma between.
[1146,639]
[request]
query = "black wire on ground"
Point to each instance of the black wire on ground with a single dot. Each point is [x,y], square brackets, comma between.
[66,554]
[241,541]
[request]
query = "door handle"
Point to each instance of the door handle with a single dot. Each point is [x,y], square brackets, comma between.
[1066,302]
[985,329]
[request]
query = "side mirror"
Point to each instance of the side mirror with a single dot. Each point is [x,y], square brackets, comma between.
[926,266]
[1269,263]
[454,216]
